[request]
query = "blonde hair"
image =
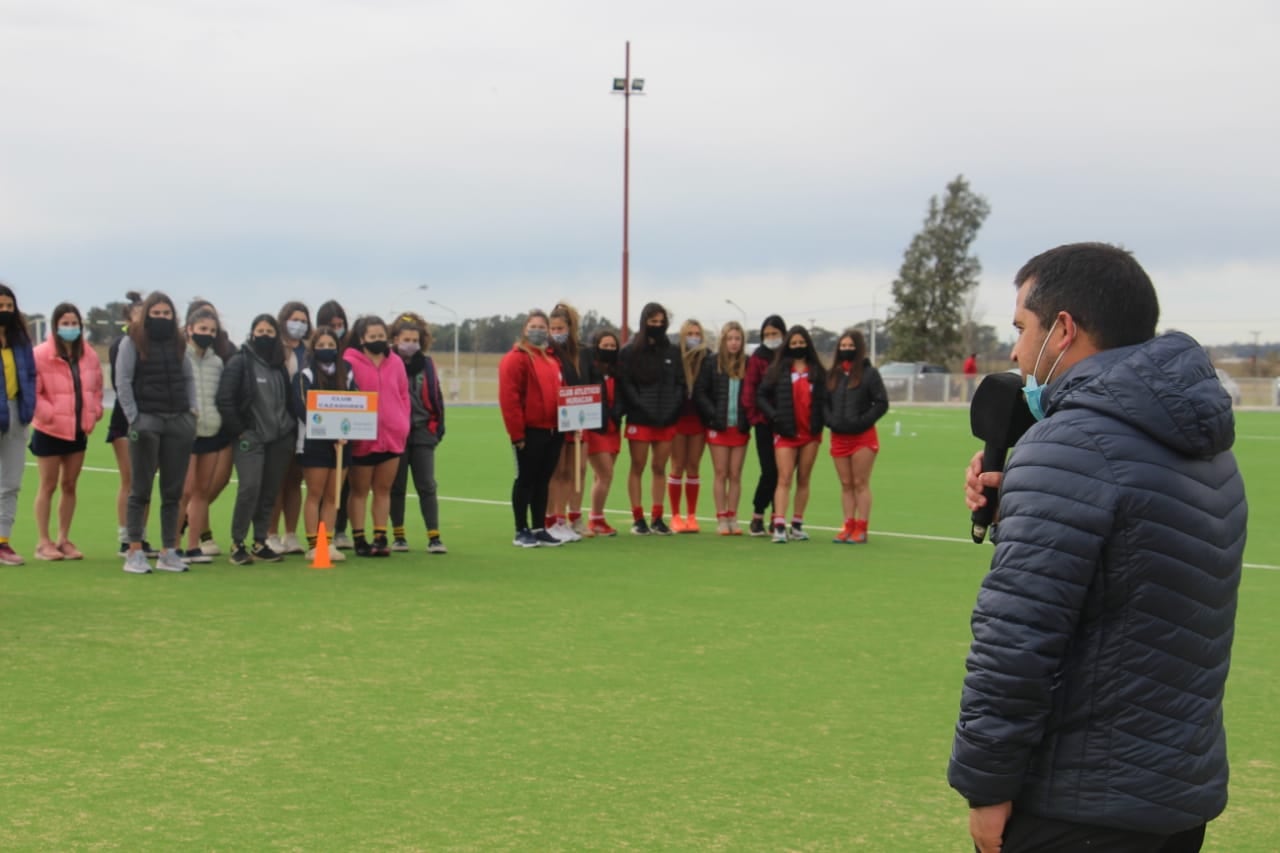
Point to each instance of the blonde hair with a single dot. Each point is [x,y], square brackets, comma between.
[733,366]
[692,358]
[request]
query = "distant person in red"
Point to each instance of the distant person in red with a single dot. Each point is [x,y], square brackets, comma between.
[970,373]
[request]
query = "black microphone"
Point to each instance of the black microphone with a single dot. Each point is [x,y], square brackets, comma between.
[999,416]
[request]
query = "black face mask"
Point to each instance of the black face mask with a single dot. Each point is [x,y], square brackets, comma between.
[325,356]
[607,356]
[798,352]
[375,347]
[414,364]
[848,356]
[265,346]
[159,328]
[655,333]
[202,341]
[6,318]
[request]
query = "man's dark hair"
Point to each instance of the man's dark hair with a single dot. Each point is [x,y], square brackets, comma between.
[1102,287]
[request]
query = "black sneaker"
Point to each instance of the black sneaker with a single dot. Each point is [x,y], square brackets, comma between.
[124,549]
[151,553]
[195,555]
[240,556]
[363,548]
[380,547]
[545,539]
[757,527]
[640,528]
[525,539]
[435,546]
[659,527]
[263,552]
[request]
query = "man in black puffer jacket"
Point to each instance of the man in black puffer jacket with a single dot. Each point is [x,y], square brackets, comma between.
[1091,716]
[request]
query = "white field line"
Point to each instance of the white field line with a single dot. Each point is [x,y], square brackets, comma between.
[920,537]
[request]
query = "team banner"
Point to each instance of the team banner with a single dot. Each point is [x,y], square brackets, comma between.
[580,407]
[352,415]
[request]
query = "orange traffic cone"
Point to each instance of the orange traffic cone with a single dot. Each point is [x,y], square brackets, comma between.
[322,560]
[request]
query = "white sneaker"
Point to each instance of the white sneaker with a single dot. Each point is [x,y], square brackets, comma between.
[135,563]
[275,544]
[342,541]
[780,534]
[563,532]
[291,544]
[336,556]
[171,561]
[210,548]
[583,529]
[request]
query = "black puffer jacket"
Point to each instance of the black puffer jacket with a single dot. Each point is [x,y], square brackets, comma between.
[651,400]
[775,401]
[711,395]
[852,411]
[1102,634]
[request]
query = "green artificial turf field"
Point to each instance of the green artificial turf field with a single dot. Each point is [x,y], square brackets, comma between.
[692,692]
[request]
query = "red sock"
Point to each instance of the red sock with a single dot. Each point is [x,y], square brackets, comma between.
[574,516]
[549,521]
[691,487]
[657,510]
[850,524]
[720,515]
[777,519]
[860,526]
[637,513]
[673,494]
[597,516]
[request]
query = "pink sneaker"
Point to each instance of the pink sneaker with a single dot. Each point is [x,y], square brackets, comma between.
[9,557]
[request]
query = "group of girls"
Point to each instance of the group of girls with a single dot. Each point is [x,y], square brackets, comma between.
[190,406]
[671,401]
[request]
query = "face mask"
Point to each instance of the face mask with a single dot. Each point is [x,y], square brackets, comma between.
[69,333]
[655,333]
[607,356]
[847,355]
[376,347]
[297,329]
[339,331]
[264,345]
[329,369]
[324,356]
[1032,389]
[772,343]
[203,341]
[692,341]
[408,349]
[560,338]
[6,318]
[159,328]
[797,352]
[537,337]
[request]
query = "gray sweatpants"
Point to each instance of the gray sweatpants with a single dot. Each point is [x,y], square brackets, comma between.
[164,442]
[13,462]
[422,460]
[260,469]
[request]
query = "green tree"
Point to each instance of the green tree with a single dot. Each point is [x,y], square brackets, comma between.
[936,275]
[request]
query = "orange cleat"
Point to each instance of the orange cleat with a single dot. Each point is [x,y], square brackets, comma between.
[677,524]
[600,527]
[691,524]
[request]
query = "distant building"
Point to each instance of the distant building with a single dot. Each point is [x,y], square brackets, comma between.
[37,327]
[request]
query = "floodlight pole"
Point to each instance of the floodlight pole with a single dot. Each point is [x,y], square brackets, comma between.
[626,189]
[741,310]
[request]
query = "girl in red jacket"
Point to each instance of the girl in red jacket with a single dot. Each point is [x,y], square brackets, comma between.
[374,463]
[68,405]
[528,394]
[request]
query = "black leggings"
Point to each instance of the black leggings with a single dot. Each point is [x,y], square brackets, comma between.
[768,469]
[535,463]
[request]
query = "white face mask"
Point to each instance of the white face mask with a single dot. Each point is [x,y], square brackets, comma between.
[772,343]
[692,341]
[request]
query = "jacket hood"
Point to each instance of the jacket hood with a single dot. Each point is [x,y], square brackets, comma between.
[1165,387]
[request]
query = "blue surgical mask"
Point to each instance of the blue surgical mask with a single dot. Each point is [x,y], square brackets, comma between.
[69,333]
[1033,389]
[692,341]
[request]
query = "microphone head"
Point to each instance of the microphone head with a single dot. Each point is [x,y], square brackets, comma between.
[998,413]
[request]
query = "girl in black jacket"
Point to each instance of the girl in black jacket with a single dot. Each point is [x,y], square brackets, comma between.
[651,379]
[603,444]
[856,399]
[718,396]
[791,398]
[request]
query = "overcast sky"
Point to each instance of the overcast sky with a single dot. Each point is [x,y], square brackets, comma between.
[256,151]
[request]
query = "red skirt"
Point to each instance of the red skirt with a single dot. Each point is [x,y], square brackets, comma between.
[610,442]
[847,445]
[798,441]
[689,425]
[643,432]
[731,437]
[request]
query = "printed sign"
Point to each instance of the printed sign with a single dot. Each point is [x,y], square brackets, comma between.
[580,407]
[352,415]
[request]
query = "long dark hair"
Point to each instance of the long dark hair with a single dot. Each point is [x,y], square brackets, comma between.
[773,321]
[320,379]
[283,317]
[782,364]
[17,333]
[222,346]
[277,356]
[138,328]
[596,337]
[76,347]
[325,316]
[859,360]
[355,336]
[645,363]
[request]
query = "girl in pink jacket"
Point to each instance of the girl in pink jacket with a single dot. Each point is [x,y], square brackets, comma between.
[68,405]
[374,463]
